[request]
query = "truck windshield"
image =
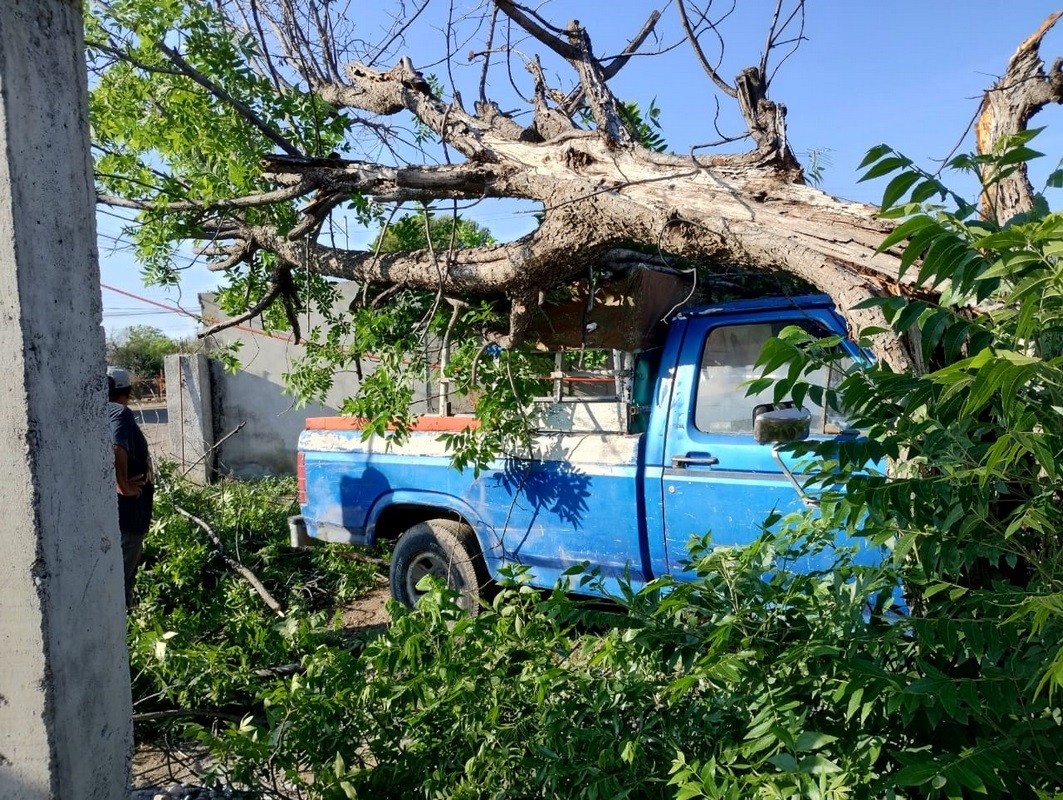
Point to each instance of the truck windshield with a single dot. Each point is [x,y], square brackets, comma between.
[727,362]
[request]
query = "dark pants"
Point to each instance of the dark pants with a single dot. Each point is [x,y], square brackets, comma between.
[132,549]
[134,514]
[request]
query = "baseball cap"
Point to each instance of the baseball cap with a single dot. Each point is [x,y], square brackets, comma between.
[119,378]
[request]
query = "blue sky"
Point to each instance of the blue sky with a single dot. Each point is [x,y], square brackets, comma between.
[899,71]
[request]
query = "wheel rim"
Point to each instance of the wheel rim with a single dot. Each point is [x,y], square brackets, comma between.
[427,563]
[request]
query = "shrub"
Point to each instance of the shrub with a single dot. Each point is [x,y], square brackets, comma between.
[199,631]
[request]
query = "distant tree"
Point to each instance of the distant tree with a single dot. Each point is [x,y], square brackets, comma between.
[141,349]
[448,231]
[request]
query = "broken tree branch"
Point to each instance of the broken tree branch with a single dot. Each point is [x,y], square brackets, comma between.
[600,99]
[723,85]
[235,565]
[1007,108]
[214,446]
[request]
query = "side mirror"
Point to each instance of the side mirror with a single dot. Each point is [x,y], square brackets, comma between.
[782,426]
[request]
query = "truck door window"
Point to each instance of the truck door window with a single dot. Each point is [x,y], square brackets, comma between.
[727,362]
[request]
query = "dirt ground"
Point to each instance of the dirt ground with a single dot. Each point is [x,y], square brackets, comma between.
[368,612]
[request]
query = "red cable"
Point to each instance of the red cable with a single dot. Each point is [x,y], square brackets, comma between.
[179,310]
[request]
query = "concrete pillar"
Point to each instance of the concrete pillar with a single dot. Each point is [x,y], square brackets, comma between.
[189,409]
[65,712]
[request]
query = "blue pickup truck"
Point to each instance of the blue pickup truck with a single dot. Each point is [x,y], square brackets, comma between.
[689,452]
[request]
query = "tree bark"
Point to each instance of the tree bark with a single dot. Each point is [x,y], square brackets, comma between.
[598,197]
[1007,108]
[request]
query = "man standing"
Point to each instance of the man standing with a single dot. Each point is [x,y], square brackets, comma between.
[132,471]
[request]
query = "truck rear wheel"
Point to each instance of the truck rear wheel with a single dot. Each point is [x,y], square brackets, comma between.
[446,549]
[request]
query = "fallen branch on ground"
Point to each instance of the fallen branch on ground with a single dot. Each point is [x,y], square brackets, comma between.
[177,713]
[243,571]
[212,448]
[363,557]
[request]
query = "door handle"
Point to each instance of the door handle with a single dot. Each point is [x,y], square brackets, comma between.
[678,462]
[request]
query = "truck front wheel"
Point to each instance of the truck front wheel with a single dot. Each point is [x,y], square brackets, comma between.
[442,548]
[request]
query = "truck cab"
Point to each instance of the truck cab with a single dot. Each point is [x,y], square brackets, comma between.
[712,473]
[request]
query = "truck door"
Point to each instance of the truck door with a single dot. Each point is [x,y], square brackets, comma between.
[716,479]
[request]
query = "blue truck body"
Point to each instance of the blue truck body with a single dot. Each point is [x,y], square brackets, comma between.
[625,503]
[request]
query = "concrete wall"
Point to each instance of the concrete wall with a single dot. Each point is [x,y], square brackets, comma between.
[65,712]
[255,396]
[190,415]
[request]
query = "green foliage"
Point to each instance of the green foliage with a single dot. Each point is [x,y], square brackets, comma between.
[199,631]
[387,342]
[160,136]
[396,344]
[142,348]
[679,690]
[449,232]
[972,507]
[644,126]
[500,383]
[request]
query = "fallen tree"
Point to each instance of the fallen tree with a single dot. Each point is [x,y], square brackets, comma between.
[282,83]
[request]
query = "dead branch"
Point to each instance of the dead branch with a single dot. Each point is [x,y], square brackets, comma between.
[181,713]
[364,558]
[573,101]
[213,447]
[1007,108]
[248,201]
[282,671]
[603,105]
[711,71]
[542,30]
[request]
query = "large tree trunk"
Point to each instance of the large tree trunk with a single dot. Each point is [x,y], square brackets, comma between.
[1007,108]
[597,198]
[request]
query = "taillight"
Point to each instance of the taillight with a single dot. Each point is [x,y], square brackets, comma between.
[300,476]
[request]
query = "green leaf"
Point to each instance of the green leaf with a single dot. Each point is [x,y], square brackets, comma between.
[886,166]
[784,762]
[818,765]
[918,244]
[1018,155]
[898,187]
[918,773]
[812,740]
[874,154]
[932,326]
[688,790]
[908,316]
[904,230]
[927,189]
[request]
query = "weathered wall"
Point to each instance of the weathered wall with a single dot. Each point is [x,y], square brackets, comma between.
[64,682]
[190,415]
[255,396]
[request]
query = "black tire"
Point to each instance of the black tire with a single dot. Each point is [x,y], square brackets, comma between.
[446,549]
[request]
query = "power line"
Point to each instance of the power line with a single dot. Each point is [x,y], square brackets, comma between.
[196,317]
